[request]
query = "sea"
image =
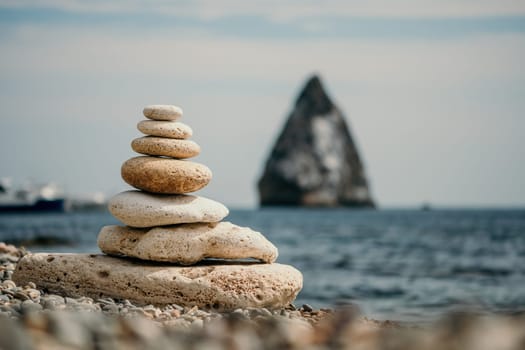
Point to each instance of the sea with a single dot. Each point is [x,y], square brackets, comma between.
[408,265]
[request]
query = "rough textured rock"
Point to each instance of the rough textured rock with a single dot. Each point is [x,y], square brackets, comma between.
[215,284]
[162,146]
[141,209]
[188,243]
[162,112]
[315,161]
[161,175]
[174,130]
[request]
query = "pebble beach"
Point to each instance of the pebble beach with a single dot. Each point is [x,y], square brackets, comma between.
[31,318]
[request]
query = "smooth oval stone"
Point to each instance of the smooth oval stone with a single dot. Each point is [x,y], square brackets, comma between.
[174,130]
[140,209]
[187,244]
[161,146]
[162,175]
[162,112]
[212,284]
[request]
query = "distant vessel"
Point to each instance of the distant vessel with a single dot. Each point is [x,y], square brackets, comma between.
[426,206]
[30,198]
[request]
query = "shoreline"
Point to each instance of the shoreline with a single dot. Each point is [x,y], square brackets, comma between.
[15,301]
[33,319]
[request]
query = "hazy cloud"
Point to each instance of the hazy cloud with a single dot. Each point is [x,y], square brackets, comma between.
[283,11]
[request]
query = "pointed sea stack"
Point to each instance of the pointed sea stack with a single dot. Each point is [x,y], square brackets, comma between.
[315,160]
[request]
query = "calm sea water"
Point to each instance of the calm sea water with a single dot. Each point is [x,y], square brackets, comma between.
[397,264]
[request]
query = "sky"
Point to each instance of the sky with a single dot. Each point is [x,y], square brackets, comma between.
[434,91]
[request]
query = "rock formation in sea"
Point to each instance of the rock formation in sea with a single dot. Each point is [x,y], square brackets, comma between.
[315,161]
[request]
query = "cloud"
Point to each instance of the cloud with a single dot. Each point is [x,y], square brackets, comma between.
[37,51]
[288,22]
[279,10]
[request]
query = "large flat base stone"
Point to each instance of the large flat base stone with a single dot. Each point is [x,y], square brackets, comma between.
[214,284]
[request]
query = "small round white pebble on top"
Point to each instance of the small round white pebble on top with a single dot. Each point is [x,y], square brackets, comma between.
[162,112]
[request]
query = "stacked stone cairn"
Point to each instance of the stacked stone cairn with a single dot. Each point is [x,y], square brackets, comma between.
[174,248]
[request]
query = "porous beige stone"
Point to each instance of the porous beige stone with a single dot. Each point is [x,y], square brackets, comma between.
[214,284]
[174,130]
[141,209]
[163,175]
[187,244]
[162,112]
[161,146]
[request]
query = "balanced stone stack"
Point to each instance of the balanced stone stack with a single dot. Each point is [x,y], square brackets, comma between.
[174,248]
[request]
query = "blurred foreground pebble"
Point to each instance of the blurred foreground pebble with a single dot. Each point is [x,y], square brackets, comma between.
[32,319]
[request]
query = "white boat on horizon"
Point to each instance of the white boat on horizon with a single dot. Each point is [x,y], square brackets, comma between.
[30,198]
